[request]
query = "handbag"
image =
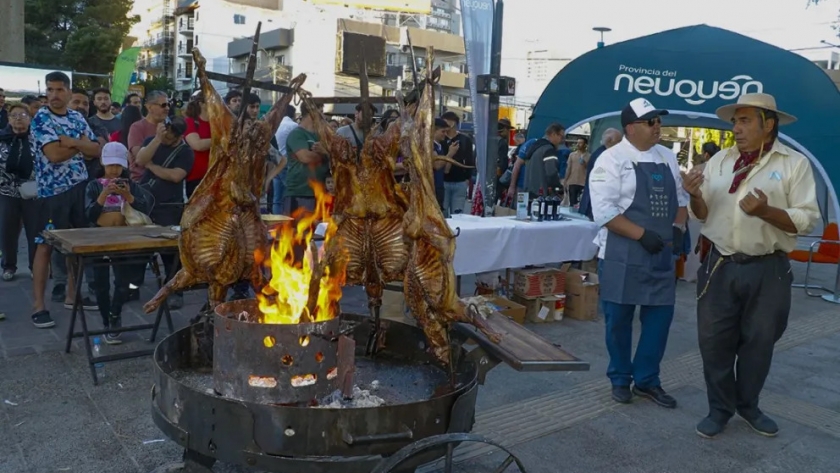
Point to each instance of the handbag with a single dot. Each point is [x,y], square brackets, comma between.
[134,217]
[504,179]
[28,190]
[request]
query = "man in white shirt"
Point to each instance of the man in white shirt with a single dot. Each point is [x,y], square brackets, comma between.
[279,179]
[638,200]
[753,199]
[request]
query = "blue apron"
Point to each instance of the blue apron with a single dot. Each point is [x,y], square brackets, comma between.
[629,274]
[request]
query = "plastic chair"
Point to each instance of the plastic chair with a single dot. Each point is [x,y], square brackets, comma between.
[827,252]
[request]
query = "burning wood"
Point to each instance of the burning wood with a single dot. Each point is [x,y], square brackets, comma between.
[307,289]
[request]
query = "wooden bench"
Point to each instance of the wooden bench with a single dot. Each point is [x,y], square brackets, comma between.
[519,348]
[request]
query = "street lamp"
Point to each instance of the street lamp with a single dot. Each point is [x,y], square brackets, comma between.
[602,30]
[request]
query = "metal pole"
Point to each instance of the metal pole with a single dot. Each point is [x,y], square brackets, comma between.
[11,24]
[489,191]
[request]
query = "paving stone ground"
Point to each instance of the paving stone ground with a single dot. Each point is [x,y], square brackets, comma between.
[53,419]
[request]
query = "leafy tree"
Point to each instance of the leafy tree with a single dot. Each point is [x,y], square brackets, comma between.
[81,35]
[161,83]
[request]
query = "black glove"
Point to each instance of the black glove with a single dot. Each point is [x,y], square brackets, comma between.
[678,240]
[652,242]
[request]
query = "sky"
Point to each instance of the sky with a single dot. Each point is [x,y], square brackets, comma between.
[565,26]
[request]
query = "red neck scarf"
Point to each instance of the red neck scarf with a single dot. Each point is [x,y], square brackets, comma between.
[746,161]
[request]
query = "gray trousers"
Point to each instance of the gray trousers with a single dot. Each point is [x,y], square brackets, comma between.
[741,316]
[13,212]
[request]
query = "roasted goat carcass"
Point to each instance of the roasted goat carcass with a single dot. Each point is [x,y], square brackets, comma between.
[368,208]
[429,283]
[221,229]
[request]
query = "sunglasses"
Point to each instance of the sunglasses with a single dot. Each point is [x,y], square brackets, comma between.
[163,105]
[652,121]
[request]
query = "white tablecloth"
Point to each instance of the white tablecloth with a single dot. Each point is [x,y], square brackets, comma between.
[496,243]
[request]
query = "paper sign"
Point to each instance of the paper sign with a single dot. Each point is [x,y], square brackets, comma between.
[543,313]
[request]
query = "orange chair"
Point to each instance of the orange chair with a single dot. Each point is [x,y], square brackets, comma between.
[827,252]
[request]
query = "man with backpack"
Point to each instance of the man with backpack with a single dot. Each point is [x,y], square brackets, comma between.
[540,161]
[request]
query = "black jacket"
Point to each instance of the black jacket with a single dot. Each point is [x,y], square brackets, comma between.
[17,161]
[143,200]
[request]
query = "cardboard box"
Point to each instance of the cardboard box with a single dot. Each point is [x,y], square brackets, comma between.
[538,282]
[549,309]
[582,290]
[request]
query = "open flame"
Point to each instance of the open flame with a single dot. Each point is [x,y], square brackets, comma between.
[286,298]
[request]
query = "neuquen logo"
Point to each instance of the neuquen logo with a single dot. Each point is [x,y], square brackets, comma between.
[643,81]
[477,4]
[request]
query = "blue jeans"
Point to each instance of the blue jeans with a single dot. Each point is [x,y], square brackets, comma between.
[279,184]
[644,367]
[454,197]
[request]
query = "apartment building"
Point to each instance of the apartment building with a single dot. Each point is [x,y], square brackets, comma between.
[210,25]
[444,17]
[155,33]
[323,42]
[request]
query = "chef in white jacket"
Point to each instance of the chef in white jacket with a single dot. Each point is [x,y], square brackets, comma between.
[639,202]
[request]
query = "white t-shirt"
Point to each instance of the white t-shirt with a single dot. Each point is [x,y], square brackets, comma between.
[612,183]
[286,127]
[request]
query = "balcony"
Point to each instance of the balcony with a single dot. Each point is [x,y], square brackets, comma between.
[185,50]
[270,40]
[184,75]
[158,62]
[186,26]
[158,41]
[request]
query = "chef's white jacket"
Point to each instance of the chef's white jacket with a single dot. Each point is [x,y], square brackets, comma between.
[612,183]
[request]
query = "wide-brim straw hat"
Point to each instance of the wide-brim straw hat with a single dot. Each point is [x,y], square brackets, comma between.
[762,101]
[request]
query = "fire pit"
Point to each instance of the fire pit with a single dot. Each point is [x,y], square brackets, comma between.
[401,396]
[273,363]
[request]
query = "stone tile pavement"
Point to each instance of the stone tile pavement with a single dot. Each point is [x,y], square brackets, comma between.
[52,418]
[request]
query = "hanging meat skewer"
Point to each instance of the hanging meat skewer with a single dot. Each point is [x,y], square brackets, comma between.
[221,229]
[429,283]
[368,210]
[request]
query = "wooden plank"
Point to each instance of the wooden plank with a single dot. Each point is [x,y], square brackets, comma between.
[84,241]
[353,100]
[275,218]
[521,348]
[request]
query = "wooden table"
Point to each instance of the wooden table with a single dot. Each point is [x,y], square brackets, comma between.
[131,245]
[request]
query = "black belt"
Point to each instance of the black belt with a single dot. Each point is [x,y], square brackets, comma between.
[741,258]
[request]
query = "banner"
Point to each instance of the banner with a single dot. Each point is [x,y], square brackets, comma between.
[124,68]
[477,20]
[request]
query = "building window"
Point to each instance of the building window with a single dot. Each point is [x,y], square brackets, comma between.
[196,16]
[281,59]
[239,19]
[391,59]
[243,67]
[196,40]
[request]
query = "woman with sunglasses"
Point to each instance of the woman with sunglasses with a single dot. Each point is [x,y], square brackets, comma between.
[639,202]
[17,154]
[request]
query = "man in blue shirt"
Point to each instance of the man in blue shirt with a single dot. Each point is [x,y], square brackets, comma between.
[63,142]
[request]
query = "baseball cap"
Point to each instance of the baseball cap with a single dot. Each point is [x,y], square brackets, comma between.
[115,153]
[640,109]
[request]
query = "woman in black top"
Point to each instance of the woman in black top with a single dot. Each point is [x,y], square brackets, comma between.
[17,169]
